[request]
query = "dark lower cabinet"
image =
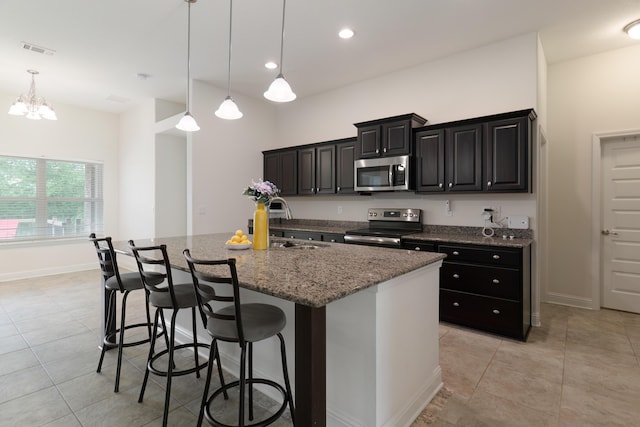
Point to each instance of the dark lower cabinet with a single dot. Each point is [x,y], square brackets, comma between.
[487,288]
[483,287]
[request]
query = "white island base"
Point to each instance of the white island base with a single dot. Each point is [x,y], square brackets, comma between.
[382,350]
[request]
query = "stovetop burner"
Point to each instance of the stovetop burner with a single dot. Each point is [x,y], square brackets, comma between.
[386,226]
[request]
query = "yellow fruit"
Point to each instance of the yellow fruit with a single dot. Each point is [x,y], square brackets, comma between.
[228,242]
[236,238]
[239,233]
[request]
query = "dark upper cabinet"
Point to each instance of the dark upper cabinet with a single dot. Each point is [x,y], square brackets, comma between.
[316,170]
[430,160]
[463,155]
[345,157]
[507,155]
[488,154]
[387,137]
[280,167]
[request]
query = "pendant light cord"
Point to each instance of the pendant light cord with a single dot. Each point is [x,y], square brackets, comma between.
[189,53]
[284,2]
[229,64]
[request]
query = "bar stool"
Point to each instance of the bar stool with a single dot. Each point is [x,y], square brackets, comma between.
[124,283]
[169,296]
[239,323]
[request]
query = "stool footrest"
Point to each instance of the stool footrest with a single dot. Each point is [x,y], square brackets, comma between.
[177,373]
[109,344]
[248,383]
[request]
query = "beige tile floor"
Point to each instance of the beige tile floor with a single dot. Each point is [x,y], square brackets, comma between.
[581,368]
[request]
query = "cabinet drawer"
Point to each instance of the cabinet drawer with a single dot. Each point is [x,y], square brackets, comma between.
[491,281]
[489,314]
[304,235]
[333,237]
[417,245]
[483,255]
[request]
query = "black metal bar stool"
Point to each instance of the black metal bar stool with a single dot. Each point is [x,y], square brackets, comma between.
[124,283]
[172,296]
[239,323]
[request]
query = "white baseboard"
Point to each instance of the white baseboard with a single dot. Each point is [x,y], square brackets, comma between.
[569,300]
[19,275]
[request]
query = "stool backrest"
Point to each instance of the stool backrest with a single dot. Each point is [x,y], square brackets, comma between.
[107,258]
[148,258]
[204,280]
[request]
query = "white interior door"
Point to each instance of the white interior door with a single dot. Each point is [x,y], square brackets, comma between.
[621,224]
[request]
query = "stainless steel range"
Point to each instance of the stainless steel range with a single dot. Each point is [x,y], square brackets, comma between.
[386,226]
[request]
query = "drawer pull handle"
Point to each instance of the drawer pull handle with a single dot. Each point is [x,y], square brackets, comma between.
[456,276]
[496,257]
[292,237]
[333,240]
[496,311]
[310,238]
[496,281]
[417,248]
[456,253]
[455,304]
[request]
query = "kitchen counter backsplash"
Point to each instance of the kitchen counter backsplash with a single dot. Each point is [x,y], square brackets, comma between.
[333,226]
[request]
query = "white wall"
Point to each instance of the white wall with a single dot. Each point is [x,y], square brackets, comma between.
[593,94]
[78,134]
[225,157]
[493,79]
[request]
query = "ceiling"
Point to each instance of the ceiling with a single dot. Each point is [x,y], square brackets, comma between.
[101,46]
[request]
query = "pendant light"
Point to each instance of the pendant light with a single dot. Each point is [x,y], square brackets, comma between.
[187,123]
[228,110]
[280,91]
[31,106]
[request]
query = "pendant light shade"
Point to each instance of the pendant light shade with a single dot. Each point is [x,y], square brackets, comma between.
[280,90]
[228,110]
[187,123]
[31,106]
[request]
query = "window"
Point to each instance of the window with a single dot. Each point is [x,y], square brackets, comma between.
[49,199]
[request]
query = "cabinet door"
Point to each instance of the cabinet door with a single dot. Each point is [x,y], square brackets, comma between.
[369,141]
[307,171]
[272,168]
[396,138]
[430,161]
[280,168]
[333,237]
[287,181]
[345,156]
[506,155]
[325,169]
[464,158]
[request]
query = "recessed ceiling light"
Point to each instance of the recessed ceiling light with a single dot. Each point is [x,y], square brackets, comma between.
[346,33]
[271,65]
[633,30]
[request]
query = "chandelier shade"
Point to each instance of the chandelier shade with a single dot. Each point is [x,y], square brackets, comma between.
[188,123]
[32,106]
[280,90]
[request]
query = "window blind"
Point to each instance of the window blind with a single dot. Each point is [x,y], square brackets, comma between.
[49,199]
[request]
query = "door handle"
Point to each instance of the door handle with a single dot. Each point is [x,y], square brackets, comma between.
[607,232]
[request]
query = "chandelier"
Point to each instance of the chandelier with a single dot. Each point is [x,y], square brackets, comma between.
[32,106]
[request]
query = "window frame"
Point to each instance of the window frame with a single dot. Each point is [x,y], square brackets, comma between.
[93,200]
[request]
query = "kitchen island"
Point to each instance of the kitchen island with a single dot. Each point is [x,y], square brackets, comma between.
[366,325]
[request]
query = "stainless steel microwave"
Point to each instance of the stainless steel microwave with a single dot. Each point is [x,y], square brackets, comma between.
[382,174]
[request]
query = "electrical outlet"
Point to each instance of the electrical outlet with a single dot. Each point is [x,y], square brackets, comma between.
[514,221]
[339,210]
[447,208]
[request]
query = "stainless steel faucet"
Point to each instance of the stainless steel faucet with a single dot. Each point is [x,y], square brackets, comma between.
[287,210]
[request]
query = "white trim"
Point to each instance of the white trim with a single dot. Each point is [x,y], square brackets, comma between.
[598,140]
[571,300]
[46,272]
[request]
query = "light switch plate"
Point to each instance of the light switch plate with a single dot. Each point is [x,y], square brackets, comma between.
[518,222]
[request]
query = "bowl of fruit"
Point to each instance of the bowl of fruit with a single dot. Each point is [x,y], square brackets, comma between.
[238,241]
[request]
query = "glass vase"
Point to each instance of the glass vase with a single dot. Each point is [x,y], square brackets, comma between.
[261,227]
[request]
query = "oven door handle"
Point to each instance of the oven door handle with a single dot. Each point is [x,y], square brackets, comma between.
[391,184]
[371,240]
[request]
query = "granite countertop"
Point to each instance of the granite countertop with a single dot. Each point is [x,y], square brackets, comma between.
[434,233]
[311,277]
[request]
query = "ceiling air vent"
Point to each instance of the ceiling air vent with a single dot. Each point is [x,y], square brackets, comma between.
[38,49]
